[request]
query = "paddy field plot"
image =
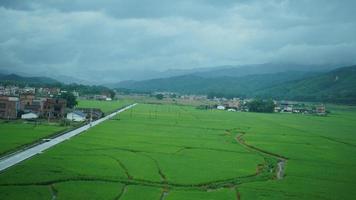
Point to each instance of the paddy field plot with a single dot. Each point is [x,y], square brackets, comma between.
[14,134]
[106,106]
[178,152]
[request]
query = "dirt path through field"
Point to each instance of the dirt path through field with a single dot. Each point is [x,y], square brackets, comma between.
[122,192]
[164,194]
[54,192]
[280,168]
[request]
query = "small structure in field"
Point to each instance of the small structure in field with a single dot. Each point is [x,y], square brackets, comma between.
[320,110]
[94,113]
[76,116]
[29,116]
[220,107]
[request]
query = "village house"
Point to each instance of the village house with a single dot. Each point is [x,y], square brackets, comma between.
[94,113]
[320,110]
[9,107]
[9,90]
[2,90]
[75,93]
[29,116]
[54,108]
[234,104]
[36,106]
[76,116]
[285,106]
[26,100]
[49,92]
[28,90]
[100,97]
[220,107]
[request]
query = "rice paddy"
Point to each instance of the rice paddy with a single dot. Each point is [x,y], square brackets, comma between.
[177,152]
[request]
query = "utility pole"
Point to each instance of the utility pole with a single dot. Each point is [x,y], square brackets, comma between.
[91,116]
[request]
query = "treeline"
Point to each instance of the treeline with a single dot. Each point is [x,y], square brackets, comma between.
[259,105]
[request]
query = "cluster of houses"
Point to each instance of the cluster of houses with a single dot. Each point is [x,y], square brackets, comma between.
[232,105]
[28,106]
[297,107]
[33,103]
[41,91]
[103,97]
[237,104]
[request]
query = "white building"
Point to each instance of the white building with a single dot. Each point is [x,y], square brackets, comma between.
[220,107]
[76,116]
[30,115]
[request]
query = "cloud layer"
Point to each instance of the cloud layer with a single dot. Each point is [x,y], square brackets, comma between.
[87,36]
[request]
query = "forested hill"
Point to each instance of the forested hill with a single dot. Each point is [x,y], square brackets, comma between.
[335,86]
[194,84]
[21,80]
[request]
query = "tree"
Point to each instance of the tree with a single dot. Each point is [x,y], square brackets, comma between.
[70,98]
[259,105]
[159,96]
[112,94]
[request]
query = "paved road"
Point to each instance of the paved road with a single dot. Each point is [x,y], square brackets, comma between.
[18,157]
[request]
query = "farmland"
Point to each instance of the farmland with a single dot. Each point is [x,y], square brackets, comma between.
[178,152]
[105,106]
[18,133]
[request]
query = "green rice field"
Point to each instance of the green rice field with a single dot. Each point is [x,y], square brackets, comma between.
[15,134]
[105,106]
[171,152]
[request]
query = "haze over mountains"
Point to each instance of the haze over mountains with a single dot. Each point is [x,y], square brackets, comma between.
[326,84]
[338,85]
[112,77]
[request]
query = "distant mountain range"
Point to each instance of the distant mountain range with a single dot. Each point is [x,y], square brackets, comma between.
[110,77]
[265,81]
[337,85]
[13,78]
[218,71]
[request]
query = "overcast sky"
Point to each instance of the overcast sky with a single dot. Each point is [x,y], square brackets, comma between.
[72,36]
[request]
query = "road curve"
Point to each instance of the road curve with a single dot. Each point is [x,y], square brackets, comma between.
[20,156]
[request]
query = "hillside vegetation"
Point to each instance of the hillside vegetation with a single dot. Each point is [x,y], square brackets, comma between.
[338,86]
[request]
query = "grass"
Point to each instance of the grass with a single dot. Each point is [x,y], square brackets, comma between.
[105,106]
[183,153]
[15,134]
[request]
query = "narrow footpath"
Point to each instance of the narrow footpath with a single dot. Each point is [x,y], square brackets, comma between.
[13,159]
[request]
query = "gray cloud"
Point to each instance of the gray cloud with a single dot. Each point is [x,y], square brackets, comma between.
[82,36]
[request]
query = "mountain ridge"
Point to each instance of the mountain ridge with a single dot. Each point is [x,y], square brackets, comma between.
[293,85]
